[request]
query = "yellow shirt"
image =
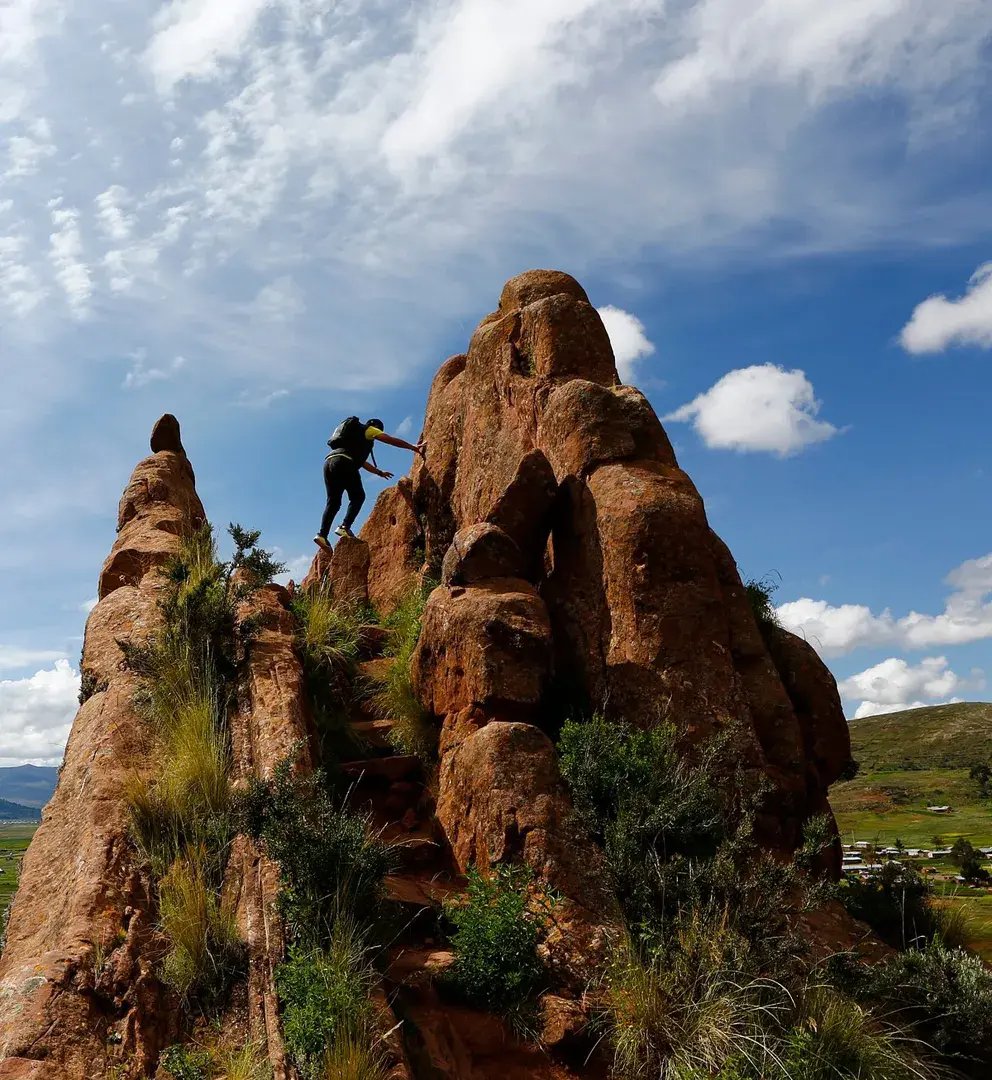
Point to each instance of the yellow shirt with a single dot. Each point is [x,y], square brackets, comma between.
[372,433]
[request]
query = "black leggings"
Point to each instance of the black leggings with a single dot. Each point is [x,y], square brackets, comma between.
[341,475]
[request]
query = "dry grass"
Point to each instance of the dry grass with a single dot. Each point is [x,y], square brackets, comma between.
[245,1063]
[203,940]
[355,1056]
[392,695]
[691,1012]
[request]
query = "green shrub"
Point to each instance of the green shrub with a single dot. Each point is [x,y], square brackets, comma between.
[898,904]
[329,861]
[325,997]
[759,595]
[495,940]
[204,950]
[945,995]
[392,695]
[187,1063]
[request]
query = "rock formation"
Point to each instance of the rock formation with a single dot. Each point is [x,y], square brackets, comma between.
[77,973]
[571,563]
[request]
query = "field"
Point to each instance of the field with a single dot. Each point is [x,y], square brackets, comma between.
[14,840]
[911,760]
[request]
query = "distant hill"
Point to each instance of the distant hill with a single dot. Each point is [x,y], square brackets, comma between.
[29,785]
[911,760]
[936,737]
[11,811]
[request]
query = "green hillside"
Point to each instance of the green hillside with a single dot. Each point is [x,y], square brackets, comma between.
[914,759]
[11,811]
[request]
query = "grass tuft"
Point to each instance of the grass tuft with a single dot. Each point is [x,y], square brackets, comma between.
[247,1062]
[204,949]
[392,695]
[354,1057]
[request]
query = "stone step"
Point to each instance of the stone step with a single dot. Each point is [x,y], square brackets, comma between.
[374,671]
[417,890]
[396,767]
[418,966]
[371,641]
[373,732]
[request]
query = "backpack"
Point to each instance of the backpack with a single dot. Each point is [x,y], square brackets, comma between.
[349,438]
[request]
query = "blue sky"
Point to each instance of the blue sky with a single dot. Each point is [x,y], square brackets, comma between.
[264,215]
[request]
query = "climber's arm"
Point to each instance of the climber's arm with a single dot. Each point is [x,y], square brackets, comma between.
[377,472]
[391,440]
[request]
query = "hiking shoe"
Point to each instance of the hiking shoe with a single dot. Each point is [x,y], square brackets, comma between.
[343,530]
[321,542]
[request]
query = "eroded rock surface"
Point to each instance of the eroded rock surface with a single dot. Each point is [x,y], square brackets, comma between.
[78,990]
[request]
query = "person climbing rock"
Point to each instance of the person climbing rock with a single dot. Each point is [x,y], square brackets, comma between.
[352,443]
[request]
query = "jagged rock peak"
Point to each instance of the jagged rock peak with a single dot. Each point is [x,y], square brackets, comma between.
[166,435]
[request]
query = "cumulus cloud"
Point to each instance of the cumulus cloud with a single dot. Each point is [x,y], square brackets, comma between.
[628,338]
[894,684]
[938,323]
[37,714]
[758,408]
[838,629]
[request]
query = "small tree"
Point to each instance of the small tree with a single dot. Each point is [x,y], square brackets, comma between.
[899,846]
[981,776]
[937,840]
[969,862]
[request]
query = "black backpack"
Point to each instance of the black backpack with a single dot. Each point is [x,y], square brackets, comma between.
[349,438]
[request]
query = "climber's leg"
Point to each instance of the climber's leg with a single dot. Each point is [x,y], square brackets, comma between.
[336,470]
[356,497]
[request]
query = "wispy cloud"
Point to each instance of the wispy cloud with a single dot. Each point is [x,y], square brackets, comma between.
[141,374]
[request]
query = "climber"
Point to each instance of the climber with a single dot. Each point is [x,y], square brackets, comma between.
[351,445]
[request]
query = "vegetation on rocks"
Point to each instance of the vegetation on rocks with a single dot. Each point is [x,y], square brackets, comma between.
[497,928]
[180,814]
[392,695]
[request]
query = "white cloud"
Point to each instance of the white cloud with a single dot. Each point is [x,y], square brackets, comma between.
[759,408]
[836,630]
[250,399]
[628,338]
[88,605]
[937,323]
[296,568]
[37,714]
[194,36]
[116,223]
[25,153]
[12,657]
[141,374]
[71,271]
[280,301]
[894,684]
[405,427]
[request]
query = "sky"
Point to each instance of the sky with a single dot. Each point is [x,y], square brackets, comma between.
[265,215]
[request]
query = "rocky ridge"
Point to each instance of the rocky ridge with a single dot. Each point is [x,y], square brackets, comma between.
[573,562]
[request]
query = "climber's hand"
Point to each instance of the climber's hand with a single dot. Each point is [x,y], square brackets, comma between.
[422,450]
[385,475]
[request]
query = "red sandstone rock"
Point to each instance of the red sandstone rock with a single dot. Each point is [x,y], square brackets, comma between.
[534,285]
[523,510]
[82,890]
[166,435]
[501,800]
[485,645]
[345,571]
[396,547]
[479,553]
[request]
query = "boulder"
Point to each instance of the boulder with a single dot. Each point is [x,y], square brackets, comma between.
[350,573]
[586,424]
[166,435]
[523,510]
[533,285]
[489,644]
[396,547]
[479,553]
[501,799]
